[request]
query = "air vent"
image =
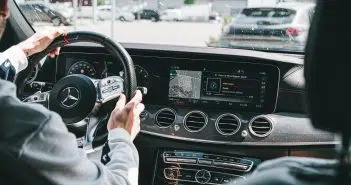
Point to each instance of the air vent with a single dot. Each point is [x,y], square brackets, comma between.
[195,121]
[261,126]
[165,117]
[228,124]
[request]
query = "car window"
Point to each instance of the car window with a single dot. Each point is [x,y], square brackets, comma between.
[273,25]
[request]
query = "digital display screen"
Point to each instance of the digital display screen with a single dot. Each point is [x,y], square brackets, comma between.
[240,88]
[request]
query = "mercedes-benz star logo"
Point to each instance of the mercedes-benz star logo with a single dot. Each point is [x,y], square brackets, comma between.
[203,176]
[69,97]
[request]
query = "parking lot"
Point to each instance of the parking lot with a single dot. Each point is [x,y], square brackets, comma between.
[171,33]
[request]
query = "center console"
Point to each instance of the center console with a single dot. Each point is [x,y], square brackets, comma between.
[180,167]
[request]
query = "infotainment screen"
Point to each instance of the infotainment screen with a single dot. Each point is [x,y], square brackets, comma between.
[244,88]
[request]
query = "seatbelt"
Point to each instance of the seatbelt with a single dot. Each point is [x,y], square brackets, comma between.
[13,171]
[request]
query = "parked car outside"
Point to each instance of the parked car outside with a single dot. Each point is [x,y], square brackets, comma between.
[284,26]
[214,17]
[40,12]
[105,12]
[171,15]
[64,8]
[147,14]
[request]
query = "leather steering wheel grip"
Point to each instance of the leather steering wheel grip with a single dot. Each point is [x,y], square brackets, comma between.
[115,49]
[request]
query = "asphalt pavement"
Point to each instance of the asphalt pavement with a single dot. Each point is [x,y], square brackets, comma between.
[169,33]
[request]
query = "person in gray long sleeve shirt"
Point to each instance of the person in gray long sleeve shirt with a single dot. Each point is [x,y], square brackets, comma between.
[39,137]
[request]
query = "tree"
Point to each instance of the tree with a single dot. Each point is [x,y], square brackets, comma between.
[189,2]
[100,2]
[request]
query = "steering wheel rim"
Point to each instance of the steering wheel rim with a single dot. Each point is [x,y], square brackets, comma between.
[115,49]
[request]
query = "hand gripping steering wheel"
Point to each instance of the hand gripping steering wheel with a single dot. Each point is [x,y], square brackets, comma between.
[76,97]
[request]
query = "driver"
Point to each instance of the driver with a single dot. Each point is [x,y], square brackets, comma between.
[39,138]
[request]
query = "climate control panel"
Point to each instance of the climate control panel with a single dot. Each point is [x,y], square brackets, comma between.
[178,167]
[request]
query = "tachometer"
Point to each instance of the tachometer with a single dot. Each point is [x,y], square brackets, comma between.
[143,77]
[84,68]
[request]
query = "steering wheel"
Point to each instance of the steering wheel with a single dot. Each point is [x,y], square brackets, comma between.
[77,98]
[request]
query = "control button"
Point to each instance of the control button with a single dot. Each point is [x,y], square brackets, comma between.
[226,180]
[205,162]
[115,87]
[231,165]
[187,175]
[171,159]
[172,173]
[244,133]
[216,180]
[188,154]
[190,161]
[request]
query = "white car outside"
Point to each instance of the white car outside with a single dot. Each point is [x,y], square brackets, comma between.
[105,13]
[171,15]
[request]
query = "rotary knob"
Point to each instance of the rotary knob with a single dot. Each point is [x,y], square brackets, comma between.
[203,176]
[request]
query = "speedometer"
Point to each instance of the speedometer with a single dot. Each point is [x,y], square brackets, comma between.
[82,67]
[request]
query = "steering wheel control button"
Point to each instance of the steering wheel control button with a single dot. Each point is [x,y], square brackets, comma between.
[110,88]
[203,176]
[73,97]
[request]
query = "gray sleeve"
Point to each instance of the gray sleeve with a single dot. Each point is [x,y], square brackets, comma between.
[39,137]
[54,152]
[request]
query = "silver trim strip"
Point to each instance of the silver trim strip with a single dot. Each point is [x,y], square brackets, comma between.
[165,109]
[251,143]
[199,112]
[270,121]
[232,133]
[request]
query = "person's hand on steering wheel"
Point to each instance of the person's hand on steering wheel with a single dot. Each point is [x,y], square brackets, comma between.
[41,40]
[126,116]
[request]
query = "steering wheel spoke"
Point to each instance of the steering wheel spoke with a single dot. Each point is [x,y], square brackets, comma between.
[40,98]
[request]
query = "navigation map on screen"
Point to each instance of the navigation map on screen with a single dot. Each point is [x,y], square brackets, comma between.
[185,84]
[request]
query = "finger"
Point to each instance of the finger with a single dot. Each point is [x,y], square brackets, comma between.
[121,102]
[138,97]
[139,108]
[51,55]
[57,51]
[130,120]
[57,32]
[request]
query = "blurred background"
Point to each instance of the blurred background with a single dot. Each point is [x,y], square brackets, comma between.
[261,24]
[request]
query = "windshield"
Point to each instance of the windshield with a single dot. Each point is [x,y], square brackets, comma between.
[270,25]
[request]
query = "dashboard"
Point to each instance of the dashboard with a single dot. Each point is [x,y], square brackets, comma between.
[213,97]
[211,115]
[223,85]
